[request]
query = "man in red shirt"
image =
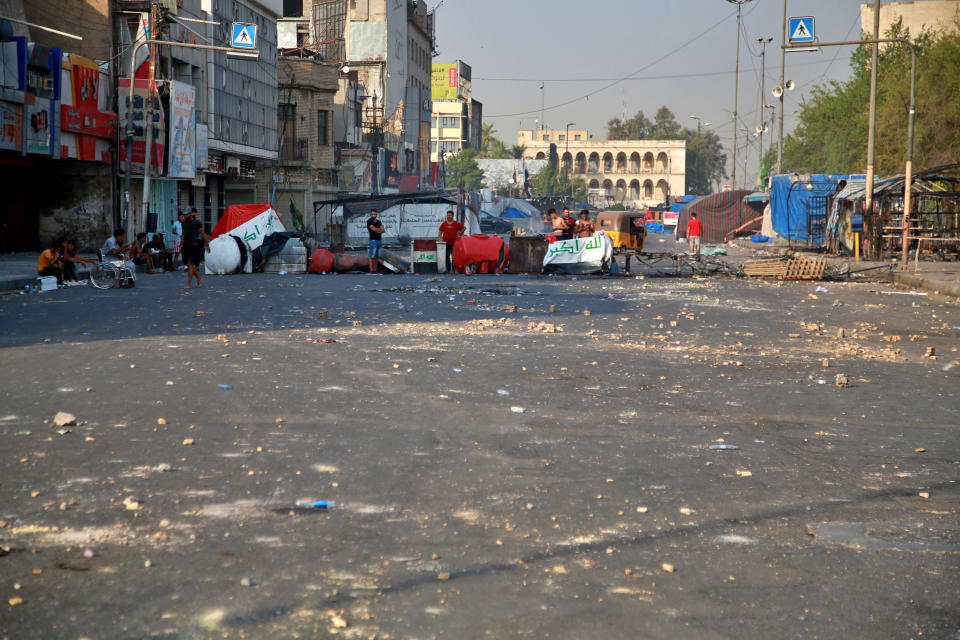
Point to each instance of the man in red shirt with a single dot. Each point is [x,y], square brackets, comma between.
[450,230]
[693,233]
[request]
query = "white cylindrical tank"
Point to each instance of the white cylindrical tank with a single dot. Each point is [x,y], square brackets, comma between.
[223,257]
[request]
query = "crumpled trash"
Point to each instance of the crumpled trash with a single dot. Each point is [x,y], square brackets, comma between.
[724,447]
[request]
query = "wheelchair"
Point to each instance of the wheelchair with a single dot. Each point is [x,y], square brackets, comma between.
[112,272]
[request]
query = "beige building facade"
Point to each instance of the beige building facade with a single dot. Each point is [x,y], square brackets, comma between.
[918,16]
[635,173]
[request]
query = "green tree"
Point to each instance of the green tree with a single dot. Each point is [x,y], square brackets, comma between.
[517,151]
[546,181]
[490,145]
[552,181]
[636,128]
[706,162]
[665,126]
[462,171]
[831,135]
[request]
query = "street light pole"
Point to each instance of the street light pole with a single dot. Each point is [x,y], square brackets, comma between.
[783,62]
[736,90]
[566,139]
[763,81]
[872,126]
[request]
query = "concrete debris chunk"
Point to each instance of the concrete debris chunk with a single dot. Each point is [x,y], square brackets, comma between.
[64,419]
[841,380]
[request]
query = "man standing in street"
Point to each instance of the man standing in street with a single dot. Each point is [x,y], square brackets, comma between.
[694,228]
[376,230]
[195,240]
[450,230]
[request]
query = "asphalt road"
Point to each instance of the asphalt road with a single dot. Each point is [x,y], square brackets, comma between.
[510,457]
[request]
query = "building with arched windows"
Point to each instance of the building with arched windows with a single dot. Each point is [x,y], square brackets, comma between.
[635,173]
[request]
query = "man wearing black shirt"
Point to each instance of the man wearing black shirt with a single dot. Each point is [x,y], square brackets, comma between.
[195,240]
[376,230]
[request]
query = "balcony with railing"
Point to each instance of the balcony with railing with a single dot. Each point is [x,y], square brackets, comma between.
[297,150]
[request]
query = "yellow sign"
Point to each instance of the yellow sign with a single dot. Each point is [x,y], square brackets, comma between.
[444,82]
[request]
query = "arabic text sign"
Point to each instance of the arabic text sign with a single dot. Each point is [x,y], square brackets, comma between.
[596,248]
[253,230]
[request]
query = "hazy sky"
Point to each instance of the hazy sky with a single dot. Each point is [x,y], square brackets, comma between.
[678,53]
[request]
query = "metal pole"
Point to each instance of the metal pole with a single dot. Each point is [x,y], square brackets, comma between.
[872,126]
[736,95]
[908,179]
[763,70]
[148,150]
[783,61]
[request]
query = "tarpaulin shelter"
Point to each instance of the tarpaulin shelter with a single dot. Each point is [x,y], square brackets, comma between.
[510,212]
[249,222]
[800,205]
[720,214]
[935,213]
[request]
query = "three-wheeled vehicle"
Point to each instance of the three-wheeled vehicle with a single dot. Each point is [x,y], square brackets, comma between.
[627,229]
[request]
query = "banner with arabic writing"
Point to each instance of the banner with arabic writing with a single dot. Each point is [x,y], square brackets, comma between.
[580,255]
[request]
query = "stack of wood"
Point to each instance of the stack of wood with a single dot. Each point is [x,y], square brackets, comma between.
[797,268]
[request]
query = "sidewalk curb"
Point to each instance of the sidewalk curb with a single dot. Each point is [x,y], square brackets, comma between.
[927,284]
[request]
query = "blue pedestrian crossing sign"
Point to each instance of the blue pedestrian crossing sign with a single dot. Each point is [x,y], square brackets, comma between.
[801,30]
[244,36]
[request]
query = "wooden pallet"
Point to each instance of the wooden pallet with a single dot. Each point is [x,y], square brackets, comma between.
[768,268]
[805,268]
[792,269]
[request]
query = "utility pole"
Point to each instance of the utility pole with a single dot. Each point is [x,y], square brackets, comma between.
[872,127]
[783,62]
[736,90]
[763,81]
[908,177]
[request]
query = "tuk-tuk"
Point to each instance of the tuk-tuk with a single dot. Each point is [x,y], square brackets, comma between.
[627,229]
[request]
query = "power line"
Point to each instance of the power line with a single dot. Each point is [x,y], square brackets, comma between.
[663,77]
[618,81]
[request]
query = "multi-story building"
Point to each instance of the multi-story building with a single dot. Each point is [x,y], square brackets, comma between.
[384,49]
[57,124]
[217,111]
[304,170]
[457,118]
[636,173]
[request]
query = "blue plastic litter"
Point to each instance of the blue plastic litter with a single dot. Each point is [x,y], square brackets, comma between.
[225,386]
[759,238]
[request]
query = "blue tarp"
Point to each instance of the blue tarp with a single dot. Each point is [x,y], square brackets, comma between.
[789,199]
[510,212]
[655,227]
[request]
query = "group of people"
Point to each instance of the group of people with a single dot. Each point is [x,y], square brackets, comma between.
[566,227]
[190,241]
[450,230]
[60,259]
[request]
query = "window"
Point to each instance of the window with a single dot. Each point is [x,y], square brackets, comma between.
[323,137]
[433,122]
[561,137]
[287,127]
[576,136]
[449,123]
[546,137]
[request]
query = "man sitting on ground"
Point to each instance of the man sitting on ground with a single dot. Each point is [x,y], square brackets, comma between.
[158,249]
[70,259]
[140,254]
[49,264]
